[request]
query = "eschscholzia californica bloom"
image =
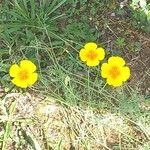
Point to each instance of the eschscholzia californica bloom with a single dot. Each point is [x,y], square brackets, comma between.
[91,54]
[115,71]
[24,74]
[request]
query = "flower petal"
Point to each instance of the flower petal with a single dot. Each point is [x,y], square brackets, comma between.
[82,54]
[105,70]
[14,69]
[125,73]
[101,53]
[19,83]
[27,64]
[32,79]
[92,63]
[114,83]
[116,60]
[90,46]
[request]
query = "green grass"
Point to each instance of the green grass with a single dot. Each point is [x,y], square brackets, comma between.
[83,111]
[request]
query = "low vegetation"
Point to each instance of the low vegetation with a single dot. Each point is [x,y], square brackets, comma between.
[67,101]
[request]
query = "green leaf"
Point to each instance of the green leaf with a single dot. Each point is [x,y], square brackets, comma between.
[53,7]
[32,2]
[148,16]
[8,127]
[3,51]
[31,140]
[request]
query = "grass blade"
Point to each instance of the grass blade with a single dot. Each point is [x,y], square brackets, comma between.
[57,6]
[31,140]
[8,126]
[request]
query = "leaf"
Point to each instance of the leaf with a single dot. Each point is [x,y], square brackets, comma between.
[4,67]
[32,2]
[12,109]
[31,140]
[8,127]
[4,51]
[57,6]
[59,145]
[148,16]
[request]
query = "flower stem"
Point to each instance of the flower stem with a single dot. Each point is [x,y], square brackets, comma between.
[89,93]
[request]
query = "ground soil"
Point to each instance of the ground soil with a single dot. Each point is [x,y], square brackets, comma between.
[137,58]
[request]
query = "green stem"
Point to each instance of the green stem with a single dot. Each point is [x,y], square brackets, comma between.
[88,84]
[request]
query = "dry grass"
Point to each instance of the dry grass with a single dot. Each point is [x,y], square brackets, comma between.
[44,123]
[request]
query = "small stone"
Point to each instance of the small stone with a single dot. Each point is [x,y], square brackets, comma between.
[113,15]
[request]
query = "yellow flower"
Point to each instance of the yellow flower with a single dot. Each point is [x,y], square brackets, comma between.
[115,71]
[23,75]
[91,54]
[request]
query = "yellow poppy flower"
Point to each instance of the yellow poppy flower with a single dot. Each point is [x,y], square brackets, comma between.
[91,54]
[24,74]
[115,71]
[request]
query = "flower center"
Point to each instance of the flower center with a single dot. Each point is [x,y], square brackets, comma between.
[114,72]
[92,55]
[23,74]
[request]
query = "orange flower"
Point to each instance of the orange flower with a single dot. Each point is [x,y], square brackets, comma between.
[91,54]
[115,71]
[23,75]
